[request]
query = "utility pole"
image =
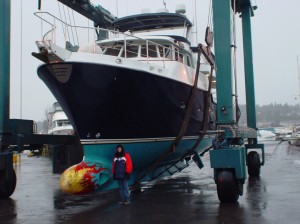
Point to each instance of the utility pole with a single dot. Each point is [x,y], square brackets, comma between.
[298,79]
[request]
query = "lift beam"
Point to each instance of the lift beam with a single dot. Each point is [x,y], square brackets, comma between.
[101,17]
[229,157]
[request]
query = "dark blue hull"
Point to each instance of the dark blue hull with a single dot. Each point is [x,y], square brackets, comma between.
[115,103]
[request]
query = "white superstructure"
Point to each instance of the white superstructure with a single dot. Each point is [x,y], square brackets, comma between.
[60,125]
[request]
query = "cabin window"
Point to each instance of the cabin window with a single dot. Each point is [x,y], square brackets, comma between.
[113,50]
[131,51]
[178,55]
[165,51]
[188,61]
[63,123]
[151,51]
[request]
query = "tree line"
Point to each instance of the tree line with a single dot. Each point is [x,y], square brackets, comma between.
[274,114]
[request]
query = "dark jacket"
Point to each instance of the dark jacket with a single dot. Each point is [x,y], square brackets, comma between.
[122,166]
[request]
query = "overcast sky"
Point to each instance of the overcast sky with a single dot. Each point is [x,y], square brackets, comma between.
[275,32]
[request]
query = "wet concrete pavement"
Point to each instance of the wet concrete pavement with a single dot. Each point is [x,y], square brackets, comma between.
[187,197]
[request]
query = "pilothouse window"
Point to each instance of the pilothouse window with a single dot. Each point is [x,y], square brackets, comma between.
[151,51]
[131,51]
[165,51]
[134,50]
[61,123]
[113,50]
[178,55]
[188,61]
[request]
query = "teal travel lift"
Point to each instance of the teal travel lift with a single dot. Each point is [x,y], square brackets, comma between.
[15,134]
[230,155]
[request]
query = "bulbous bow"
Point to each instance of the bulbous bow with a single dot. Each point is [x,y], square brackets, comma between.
[84,178]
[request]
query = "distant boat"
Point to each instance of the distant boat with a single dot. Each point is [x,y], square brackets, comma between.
[60,125]
[282,133]
[266,135]
[294,137]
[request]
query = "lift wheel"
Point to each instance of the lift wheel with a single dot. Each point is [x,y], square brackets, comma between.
[227,187]
[253,163]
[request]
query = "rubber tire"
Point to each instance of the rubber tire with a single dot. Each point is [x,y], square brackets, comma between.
[227,188]
[253,163]
[7,186]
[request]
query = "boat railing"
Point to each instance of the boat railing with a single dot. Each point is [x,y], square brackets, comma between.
[146,50]
[69,31]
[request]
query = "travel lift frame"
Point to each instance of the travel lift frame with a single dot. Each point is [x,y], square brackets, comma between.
[228,158]
[230,155]
[15,134]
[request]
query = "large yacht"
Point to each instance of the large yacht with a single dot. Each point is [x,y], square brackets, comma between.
[131,86]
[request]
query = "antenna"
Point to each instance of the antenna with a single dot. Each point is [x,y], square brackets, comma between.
[196,21]
[165,4]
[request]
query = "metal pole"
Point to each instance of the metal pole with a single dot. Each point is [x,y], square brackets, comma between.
[298,80]
[223,39]
[4,64]
[248,64]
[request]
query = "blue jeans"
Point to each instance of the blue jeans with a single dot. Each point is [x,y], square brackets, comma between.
[124,190]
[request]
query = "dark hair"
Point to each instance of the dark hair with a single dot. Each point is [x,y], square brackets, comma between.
[122,153]
[120,146]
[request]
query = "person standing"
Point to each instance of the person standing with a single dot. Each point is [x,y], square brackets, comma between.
[121,169]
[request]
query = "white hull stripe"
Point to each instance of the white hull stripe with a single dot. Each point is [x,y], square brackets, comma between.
[138,140]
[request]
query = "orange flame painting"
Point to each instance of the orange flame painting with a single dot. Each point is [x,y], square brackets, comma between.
[80,178]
